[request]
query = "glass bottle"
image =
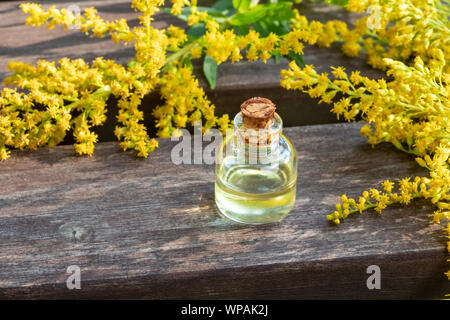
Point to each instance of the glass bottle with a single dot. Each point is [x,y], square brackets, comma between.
[256,168]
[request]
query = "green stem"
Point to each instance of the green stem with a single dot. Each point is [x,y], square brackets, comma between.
[181,52]
[100,92]
[400,147]
[193,44]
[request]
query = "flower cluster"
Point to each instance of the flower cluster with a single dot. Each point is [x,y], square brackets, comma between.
[70,95]
[411,111]
[379,199]
[185,102]
[315,32]
[224,44]
[399,30]
[51,99]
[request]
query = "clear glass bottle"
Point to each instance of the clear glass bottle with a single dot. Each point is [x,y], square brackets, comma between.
[256,182]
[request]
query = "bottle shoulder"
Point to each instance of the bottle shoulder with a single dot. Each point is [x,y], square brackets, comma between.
[286,142]
[232,152]
[283,142]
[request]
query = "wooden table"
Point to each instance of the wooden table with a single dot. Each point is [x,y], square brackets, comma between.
[149,229]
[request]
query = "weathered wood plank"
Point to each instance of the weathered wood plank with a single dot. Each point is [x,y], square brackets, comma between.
[149,229]
[236,82]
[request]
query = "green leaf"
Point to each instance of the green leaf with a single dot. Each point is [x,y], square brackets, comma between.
[223,5]
[166,10]
[211,11]
[249,17]
[210,71]
[272,26]
[297,58]
[277,57]
[269,11]
[132,64]
[340,3]
[183,16]
[197,30]
[241,30]
[259,27]
[168,67]
[241,5]
[279,11]
[187,62]
[185,13]
[286,26]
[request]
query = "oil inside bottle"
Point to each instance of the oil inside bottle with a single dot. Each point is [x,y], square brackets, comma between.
[255,195]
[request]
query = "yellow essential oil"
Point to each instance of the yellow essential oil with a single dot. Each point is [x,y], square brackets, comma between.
[255,196]
[259,191]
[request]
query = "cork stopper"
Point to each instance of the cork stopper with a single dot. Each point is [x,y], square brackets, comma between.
[257,113]
[257,117]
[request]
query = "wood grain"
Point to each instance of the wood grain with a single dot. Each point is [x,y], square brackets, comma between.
[236,82]
[136,232]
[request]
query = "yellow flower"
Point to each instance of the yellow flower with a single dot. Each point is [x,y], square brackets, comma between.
[339,72]
[388,185]
[4,153]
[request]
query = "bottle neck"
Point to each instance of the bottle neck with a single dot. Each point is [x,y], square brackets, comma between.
[258,138]
[261,144]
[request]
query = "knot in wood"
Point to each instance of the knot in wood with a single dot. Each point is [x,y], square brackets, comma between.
[74,232]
